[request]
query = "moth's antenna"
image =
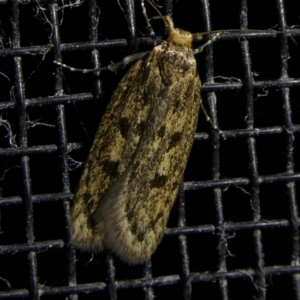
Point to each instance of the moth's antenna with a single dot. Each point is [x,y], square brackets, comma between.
[201,34]
[160,14]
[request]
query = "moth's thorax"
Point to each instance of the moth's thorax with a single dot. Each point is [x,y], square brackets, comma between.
[180,37]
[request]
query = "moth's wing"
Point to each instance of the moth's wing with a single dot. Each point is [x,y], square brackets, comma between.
[135,217]
[114,144]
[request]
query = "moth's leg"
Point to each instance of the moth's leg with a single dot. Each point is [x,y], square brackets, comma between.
[126,60]
[200,49]
[207,117]
[214,126]
[112,67]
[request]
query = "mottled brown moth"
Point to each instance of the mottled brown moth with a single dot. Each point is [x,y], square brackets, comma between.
[131,177]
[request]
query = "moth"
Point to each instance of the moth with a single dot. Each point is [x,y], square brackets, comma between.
[133,171]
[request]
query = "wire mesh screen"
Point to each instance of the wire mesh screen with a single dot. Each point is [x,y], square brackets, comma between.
[233,231]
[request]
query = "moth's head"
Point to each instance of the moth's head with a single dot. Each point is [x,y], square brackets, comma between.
[178,36]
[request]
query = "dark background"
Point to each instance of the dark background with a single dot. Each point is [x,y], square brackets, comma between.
[233,232]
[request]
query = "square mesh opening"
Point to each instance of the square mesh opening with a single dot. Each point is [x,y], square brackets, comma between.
[233,231]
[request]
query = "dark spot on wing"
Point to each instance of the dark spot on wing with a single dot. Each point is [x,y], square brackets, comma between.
[91,221]
[140,127]
[159,181]
[159,216]
[176,105]
[134,228]
[161,132]
[141,236]
[124,127]
[157,220]
[175,185]
[152,224]
[111,167]
[111,116]
[175,138]
[130,215]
